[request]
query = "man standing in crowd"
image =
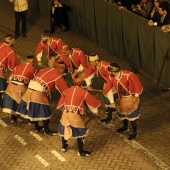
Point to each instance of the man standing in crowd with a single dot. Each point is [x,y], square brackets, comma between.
[18,80]
[52,47]
[143,9]
[8,60]
[21,9]
[166,28]
[163,10]
[71,124]
[100,69]
[34,104]
[128,87]
[58,16]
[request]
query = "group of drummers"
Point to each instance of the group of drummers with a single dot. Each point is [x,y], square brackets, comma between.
[26,91]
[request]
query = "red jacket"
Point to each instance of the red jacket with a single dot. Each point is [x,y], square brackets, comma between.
[73,100]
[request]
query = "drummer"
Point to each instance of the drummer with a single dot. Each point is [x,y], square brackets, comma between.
[128,87]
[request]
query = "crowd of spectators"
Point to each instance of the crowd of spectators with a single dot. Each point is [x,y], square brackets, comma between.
[156,11]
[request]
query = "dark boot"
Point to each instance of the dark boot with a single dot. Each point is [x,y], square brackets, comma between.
[109,115]
[47,130]
[125,126]
[37,127]
[80,148]
[1,100]
[14,117]
[65,146]
[134,134]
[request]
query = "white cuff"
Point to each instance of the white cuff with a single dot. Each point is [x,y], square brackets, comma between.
[39,56]
[109,95]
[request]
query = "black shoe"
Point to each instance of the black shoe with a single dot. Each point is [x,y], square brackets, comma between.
[133,136]
[122,130]
[106,120]
[84,153]
[37,130]
[51,133]
[14,117]
[64,149]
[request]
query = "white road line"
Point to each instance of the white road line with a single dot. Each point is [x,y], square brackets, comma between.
[138,146]
[36,136]
[3,123]
[59,157]
[45,163]
[20,140]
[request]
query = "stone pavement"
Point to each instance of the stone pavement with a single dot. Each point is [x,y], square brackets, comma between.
[22,149]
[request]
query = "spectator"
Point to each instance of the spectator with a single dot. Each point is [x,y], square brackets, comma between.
[143,9]
[21,9]
[155,16]
[111,1]
[52,47]
[58,16]
[8,60]
[166,28]
[164,13]
[127,4]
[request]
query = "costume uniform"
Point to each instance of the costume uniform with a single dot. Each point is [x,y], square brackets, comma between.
[52,50]
[8,59]
[127,86]
[18,81]
[35,105]
[102,73]
[71,124]
[76,63]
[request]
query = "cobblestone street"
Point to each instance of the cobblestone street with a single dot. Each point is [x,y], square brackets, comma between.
[21,148]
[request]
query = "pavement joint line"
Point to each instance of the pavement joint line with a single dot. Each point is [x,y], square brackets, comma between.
[3,123]
[20,140]
[59,157]
[36,136]
[45,163]
[137,146]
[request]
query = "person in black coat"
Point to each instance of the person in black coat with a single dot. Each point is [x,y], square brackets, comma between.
[164,12]
[155,16]
[58,16]
[127,4]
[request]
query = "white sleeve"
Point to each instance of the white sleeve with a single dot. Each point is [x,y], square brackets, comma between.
[39,56]
[80,68]
[109,95]
[88,80]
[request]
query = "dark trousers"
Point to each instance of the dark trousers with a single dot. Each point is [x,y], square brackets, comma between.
[110,110]
[54,23]
[79,143]
[1,100]
[46,125]
[20,16]
[133,124]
